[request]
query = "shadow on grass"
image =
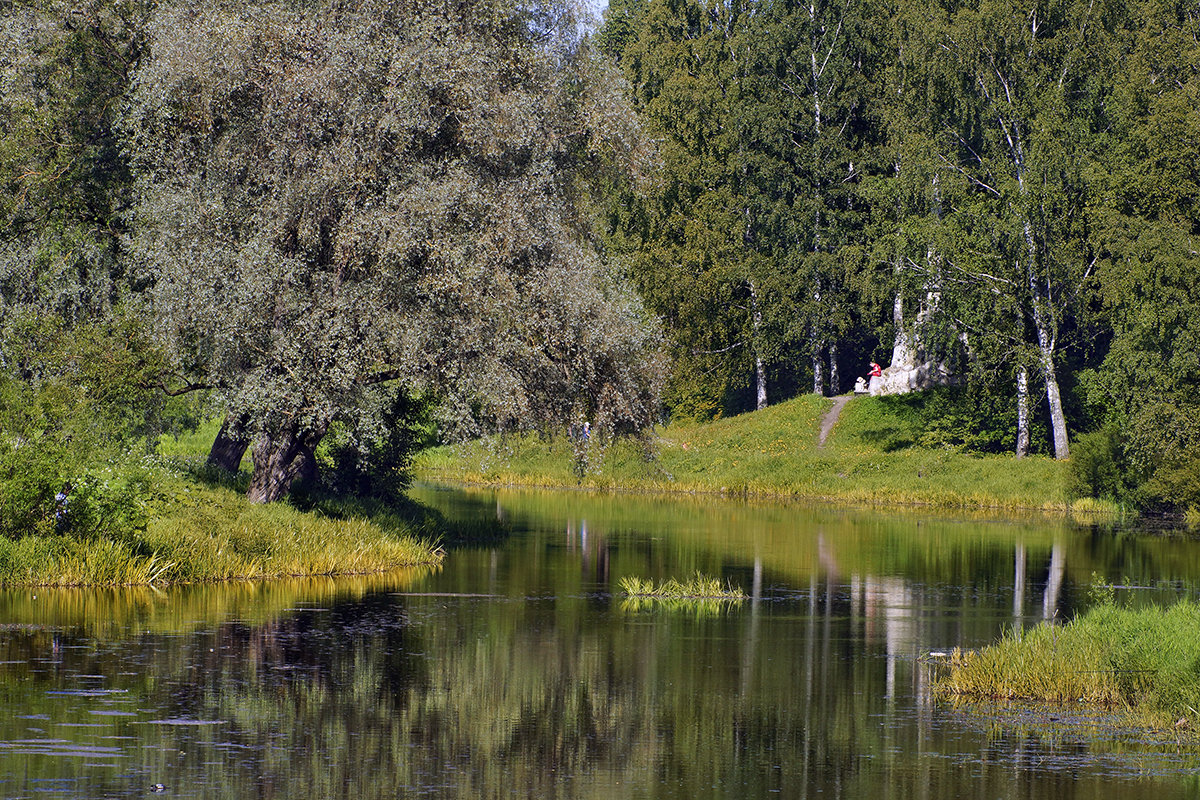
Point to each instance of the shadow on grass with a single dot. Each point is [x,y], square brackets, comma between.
[393,511]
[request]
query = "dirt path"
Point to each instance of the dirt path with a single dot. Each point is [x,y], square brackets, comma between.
[830,419]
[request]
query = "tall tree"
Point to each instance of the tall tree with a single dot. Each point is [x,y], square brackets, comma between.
[344,196]
[1146,222]
[1015,119]
[759,111]
[64,183]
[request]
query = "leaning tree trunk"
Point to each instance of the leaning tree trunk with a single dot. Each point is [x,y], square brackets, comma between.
[1046,343]
[280,459]
[230,445]
[1058,420]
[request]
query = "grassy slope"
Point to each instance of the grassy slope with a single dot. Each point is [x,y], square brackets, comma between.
[774,453]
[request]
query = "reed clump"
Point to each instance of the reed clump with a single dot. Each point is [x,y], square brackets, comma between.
[1145,661]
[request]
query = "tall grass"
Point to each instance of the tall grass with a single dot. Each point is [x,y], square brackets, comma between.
[869,458]
[199,532]
[1145,660]
[699,595]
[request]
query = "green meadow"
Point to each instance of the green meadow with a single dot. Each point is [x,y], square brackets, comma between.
[873,455]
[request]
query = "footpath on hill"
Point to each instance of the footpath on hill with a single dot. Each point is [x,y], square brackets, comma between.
[847,449]
[830,419]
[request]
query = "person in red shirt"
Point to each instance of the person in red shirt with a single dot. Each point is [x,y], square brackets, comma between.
[876,370]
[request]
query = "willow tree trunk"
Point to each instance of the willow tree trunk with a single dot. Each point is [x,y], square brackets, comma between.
[280,459]
[229,446]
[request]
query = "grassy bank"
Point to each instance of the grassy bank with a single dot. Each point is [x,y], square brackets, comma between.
[192,530]
[1145,661]
[870,457]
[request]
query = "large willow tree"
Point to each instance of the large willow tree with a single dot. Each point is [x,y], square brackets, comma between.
[342,200]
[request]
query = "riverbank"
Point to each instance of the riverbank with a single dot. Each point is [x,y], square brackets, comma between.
[1141,661]
[870,456]
[194,530]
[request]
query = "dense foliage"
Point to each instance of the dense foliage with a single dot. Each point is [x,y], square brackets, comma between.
[1009,191]
[341,224]
[323,217]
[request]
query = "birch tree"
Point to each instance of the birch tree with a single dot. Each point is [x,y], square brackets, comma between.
[1018,137]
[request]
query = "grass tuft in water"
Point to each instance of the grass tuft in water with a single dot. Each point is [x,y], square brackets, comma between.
[1145,661]
[698,587]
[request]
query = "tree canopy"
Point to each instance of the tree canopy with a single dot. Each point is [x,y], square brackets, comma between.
[338,200]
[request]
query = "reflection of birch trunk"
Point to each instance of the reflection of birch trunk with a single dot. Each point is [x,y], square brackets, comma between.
[1018,587]
[1058,566]
[751,648]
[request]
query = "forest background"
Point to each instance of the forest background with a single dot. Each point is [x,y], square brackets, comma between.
[350,229]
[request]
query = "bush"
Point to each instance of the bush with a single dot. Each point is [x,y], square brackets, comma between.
[957,418]
[63,467]
[1099,466]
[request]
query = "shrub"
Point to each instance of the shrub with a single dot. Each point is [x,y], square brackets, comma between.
[1099,467]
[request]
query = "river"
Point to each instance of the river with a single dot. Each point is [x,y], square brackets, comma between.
[517,669]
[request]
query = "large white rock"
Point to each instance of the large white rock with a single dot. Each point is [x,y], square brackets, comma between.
[906,378]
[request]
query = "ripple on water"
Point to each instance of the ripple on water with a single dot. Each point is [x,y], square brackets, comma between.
[58,747]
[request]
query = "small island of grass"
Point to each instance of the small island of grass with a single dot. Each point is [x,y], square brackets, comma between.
[698,587]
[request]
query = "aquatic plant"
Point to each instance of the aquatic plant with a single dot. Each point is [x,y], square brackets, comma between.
[698,587]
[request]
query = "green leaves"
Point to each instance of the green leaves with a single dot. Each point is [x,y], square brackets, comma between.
[389,193]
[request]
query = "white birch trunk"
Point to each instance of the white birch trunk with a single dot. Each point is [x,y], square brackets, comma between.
[1022,412]
[818,372]
[834,379]
[902,345]
[1058,421]
[760,372]
[1046,345]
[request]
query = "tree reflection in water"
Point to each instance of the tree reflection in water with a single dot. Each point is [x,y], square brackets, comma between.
[514,671]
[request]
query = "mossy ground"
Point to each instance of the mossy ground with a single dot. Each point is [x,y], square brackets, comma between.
[870,457]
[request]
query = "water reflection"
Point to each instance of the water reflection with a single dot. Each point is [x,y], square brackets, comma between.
[515,670]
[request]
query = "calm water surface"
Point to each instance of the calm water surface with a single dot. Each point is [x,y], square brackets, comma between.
[517,670]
